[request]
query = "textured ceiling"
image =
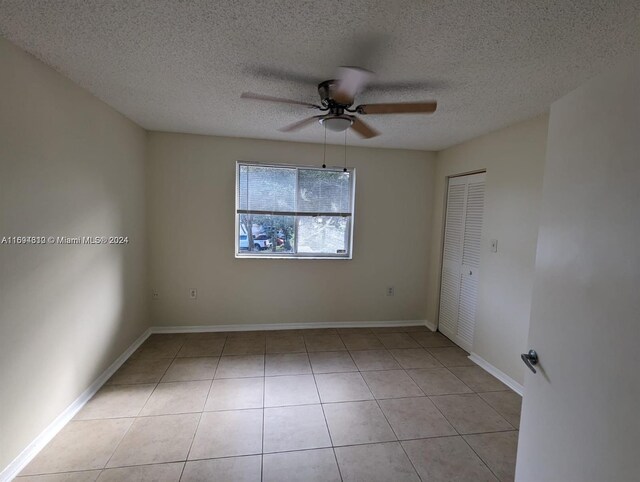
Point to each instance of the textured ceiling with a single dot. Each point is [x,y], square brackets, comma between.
[182,65]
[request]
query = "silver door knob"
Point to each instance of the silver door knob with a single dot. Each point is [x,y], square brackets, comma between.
[530,359]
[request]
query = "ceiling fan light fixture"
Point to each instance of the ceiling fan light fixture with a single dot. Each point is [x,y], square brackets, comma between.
[338,123]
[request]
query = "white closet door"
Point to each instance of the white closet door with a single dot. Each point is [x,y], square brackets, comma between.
[452,256]
[461,258]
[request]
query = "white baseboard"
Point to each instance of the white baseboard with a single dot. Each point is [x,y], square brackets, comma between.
[430,325]
[288,326]
[27,455]
[500,375]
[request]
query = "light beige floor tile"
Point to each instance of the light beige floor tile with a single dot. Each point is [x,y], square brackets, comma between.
[415,358]
[391,384]
[470,414]
[478,379]
[232,469]
[154,440]
[389,329]
[507,404]
[116,401]
[318,465]
[140,371]
[240,366]
[295,428]
[249,334]
[380,462]
[159,346]
[431,340]
[447,459]
[413,418]
[332,362]
[361,341]
[498,451]
[202,345]
[438,381]
[290,390]
[342,387]
[451,356]
[85,476]
[286,344]
[228,434]
[323,343]
[235,394]
[287,364]
[374,360]
[286,333]
[318,331]
[245,345]
[398,340]
[80,445]
[177,397]
[357,423]
[144,473]
[354,331]
[187,369]
[417,329]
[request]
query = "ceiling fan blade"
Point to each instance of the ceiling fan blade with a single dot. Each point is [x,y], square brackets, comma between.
[364,129]
[351,81]
[300,124]
[269,98]
[398,108]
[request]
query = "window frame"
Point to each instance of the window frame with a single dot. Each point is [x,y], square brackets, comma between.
[271,255]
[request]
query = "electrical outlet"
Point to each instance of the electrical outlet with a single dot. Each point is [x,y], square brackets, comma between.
[155,294]
[193,293]
[494,245]
[391,291]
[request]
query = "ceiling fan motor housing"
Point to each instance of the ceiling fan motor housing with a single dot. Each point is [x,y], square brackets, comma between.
[326,90]
[335,119]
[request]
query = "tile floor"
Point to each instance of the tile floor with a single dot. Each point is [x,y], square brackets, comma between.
[360,404]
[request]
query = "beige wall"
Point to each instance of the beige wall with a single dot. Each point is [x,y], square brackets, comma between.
[191,182]
[69,165]
[514,161]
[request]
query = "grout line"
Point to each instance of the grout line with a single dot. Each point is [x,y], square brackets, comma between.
[191,444]
[478,455]
[146,401]
[393,430]
[203,407]
[326,423]
[116,446]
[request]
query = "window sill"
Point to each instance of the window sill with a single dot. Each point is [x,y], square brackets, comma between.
[266,256]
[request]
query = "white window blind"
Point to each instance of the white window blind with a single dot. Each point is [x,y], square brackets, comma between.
[290,211]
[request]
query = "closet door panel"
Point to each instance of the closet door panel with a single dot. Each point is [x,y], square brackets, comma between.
[468,301]
[461,258]
[452,257]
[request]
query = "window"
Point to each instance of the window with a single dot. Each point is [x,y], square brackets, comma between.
[293,212]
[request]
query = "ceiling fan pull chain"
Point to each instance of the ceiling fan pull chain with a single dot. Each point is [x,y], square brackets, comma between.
[345,151]
[324,157]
